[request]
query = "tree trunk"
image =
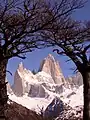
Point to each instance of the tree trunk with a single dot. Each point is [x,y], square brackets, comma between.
[86,81]
[3,89]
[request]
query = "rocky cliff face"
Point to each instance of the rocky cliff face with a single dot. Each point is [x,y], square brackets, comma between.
[51,66]
[18,87]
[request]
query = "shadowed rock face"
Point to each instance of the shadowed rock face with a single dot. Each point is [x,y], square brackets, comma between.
[54,108]
[18,87]
[51,66]
[58,110]
[37,91]
[17,112]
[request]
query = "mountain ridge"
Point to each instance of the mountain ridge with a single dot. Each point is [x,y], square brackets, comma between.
[35,91]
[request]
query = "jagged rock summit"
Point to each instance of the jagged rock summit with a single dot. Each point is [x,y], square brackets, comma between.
[52,67]
[22,78]
[49,72]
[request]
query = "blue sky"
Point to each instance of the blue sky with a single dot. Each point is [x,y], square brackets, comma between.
[33,59]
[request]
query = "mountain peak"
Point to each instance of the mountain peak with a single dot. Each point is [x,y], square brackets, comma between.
[50,56]
[21,67]
[51,66]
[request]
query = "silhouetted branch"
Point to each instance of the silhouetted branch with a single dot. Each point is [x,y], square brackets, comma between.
[9,72]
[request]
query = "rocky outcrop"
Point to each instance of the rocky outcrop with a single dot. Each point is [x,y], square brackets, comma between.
[18,86]
[37,90]
[51,66]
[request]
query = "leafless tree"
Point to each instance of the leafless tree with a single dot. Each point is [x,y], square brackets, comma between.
[21,22]
[72,38]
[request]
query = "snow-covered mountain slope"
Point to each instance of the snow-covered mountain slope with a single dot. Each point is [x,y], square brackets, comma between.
[72,98]
[35,104]
[37,91]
